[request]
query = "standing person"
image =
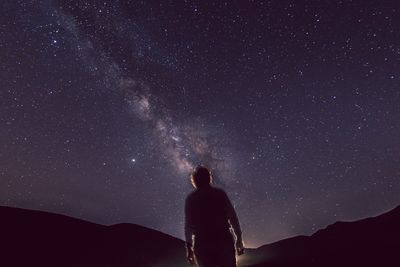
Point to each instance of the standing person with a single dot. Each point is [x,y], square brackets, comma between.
[209,216]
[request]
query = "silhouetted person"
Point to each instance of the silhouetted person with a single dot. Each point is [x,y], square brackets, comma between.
[209,216]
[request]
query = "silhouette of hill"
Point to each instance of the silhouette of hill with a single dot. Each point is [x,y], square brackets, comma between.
[36,238]
[369,242]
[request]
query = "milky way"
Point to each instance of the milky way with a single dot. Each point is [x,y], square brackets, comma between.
[182,145]
[106,107]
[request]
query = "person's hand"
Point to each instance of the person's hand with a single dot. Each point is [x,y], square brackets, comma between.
[190,256]
[239,247]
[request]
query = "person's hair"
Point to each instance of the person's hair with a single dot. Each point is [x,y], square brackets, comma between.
[201,177]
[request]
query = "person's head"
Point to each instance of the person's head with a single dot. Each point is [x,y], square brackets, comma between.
[201,177]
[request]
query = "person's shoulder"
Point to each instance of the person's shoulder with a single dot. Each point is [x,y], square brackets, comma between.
[191,195]
[219,190]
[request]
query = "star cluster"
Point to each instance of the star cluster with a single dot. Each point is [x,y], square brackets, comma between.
[106,106]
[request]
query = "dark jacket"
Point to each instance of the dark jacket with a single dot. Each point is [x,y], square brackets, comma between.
[209,215]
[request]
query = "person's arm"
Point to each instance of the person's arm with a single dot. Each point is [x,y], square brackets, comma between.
[234,222]
[189,232]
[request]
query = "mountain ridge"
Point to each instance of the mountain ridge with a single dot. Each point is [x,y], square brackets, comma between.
[40,238]
[48,239]
[372,241]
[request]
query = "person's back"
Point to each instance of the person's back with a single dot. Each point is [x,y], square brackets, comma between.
[209,215]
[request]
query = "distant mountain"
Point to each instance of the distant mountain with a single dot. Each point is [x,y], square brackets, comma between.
[36,238]
[368,242]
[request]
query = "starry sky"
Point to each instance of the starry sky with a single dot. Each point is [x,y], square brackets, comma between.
[106,106]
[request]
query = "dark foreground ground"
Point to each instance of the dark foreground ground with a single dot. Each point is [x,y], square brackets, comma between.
[35,238]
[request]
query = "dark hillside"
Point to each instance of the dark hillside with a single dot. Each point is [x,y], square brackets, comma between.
[35,238]
[369,242]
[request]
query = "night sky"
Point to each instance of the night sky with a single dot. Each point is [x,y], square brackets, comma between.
[106,106]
